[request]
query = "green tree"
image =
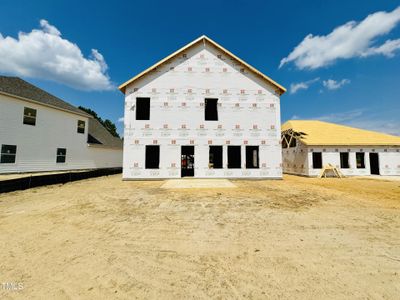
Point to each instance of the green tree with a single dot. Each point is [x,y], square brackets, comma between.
[110,126]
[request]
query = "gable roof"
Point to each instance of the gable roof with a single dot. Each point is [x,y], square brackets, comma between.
[318,133]
[99,135]
[19,88]
[203,38]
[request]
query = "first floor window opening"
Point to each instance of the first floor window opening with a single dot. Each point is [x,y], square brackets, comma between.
[152,160]
[317,160]
[61,155]
[8,154]
[215,157]
[360,160]
[234,157]
[344,160]
[252,157]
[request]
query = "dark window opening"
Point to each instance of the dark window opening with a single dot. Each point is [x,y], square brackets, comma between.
[252,157]
[142,108]
[234,157]
[360,160]
[317,160]
[61,155]
[211,110]
[293,142]
[29,116]
[8,154]
[81,126]
[152,160]
[215,157]
[344,160]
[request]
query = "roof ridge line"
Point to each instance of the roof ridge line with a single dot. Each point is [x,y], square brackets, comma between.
[122,87]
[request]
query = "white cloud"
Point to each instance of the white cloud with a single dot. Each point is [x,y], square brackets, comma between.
[347,41]
[341,116]
[121,120]
[331,84]
[361,118]
[49,28]
[295,87]
[43,53]
[390,126]
[387,49]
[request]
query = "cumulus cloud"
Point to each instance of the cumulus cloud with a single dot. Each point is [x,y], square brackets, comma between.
[388,49]
[353,39]
[121,120]
[331,84]
[49,28]
[295,87]
[43,53]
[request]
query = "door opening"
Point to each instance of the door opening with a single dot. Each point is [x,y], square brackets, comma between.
[187,161]
[374,163]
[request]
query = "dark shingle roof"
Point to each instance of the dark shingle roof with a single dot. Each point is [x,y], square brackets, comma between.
[20,88]
[98,134]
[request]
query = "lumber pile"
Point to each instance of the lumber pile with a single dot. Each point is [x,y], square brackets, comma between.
[330,171]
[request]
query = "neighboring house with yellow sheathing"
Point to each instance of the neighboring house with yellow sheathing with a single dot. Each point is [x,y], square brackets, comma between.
[309,145]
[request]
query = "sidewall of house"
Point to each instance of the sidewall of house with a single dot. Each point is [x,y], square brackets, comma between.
[295,160]
[389,160]
[37,145]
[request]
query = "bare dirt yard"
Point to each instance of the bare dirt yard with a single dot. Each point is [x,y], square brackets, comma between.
[297,238]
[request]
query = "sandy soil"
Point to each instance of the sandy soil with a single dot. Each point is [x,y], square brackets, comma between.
[298,238]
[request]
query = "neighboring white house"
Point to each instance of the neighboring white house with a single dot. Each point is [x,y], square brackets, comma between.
[308,146]
[40,132]
[202,112]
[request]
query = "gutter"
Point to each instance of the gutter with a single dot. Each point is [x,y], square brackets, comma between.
[47,105]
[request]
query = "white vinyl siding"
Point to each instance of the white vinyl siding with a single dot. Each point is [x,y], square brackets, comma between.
[37,145]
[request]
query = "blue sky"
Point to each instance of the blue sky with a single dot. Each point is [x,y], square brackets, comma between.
[345,72]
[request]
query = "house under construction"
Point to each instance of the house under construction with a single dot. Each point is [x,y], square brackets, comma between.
[202,112]
[309,146]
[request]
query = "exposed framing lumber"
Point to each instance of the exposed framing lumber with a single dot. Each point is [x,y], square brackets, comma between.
[292,135]
[330,168]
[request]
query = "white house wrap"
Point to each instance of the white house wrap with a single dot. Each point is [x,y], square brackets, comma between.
[200,97]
